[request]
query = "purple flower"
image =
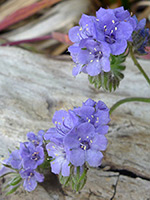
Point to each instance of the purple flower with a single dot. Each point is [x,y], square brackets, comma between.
[32,156]
[90,57]
[121,14]
[15,159]
[60,164]
[64,122]
[85,29]
[37,140]
[95,113]
[31,177]
[140,36]
[114,26]
[85,145]
[5,170]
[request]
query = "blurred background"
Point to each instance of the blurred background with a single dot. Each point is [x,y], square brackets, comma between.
[41,26]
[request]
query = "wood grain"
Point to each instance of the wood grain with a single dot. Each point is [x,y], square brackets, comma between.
[33,87]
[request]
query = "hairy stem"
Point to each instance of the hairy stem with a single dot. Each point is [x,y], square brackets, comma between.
[117,104]
[138,65]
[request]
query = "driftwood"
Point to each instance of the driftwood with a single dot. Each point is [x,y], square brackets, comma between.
[33,87]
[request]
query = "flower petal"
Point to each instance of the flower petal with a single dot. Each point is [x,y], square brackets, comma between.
[102,129]
[65,169]
[29,184]
[118,47]
[77,157]
[74,35]
[124,30]
[76,70]
[99,143]
[56,166]
[94,158]
[71,139]
[39,177]
[84,57]
[94,68]
[85,129]
[105,63]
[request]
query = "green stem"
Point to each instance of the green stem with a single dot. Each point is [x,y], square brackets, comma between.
[138,65]
[117,104]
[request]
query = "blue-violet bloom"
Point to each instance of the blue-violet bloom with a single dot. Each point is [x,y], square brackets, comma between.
[15,159]
[96,113]
[37,140]
[31,177]
[31,156]
[140,36]
[91,57]
[64,122]
[85,145]
[114,28]
[5,170]
[60,164]
[85,29]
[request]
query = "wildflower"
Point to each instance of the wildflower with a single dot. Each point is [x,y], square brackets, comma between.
[32,156]
[90,57]
[85,29]
[140,36]
[60,164]
[85,145]
[5,170]
[15,159]
[37,140]
[31,177]
[114,28]
[64,122]
[96,113]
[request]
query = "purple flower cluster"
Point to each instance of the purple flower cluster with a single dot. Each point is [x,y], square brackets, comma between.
[78,136]
[97,37]
[26,159]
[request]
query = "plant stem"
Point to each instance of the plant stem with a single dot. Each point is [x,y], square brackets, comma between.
[117,104]
[138,65]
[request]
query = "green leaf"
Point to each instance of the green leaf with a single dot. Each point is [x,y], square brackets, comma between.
[10,151]
[16,180]
[76,180]
[64,180]
[13,190]
[110,81]
[84,48]
[8,166]
[79,180]
[7,174]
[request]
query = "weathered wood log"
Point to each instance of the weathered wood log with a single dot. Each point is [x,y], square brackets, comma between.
[33,87]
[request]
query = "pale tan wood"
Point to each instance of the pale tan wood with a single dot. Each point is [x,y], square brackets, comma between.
[132,188]
[9,7]
[33,87]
